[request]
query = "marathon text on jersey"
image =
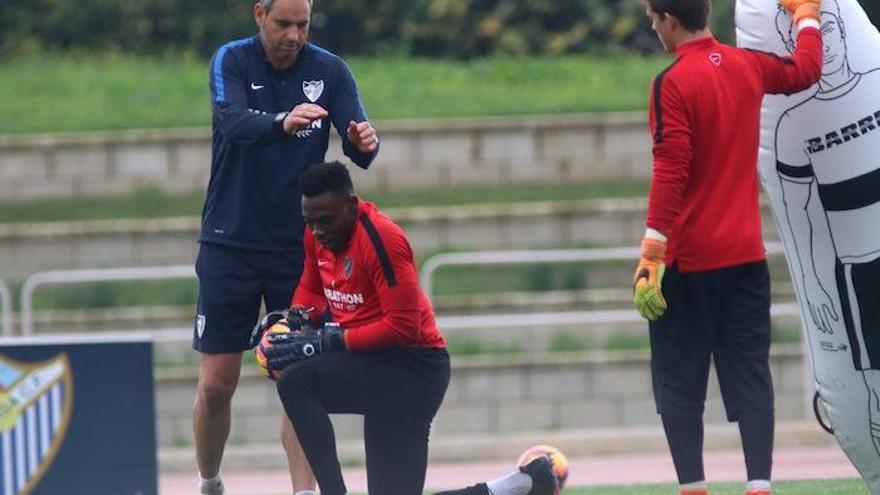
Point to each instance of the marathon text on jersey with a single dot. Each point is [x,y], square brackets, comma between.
[335,296]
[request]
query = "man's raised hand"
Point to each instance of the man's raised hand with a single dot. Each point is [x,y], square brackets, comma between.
[363,136]
[302,116]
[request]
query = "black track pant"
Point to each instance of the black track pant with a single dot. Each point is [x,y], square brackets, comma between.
[398,391]
[724,315]
[721,314]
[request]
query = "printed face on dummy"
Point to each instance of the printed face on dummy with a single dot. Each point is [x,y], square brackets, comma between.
[834,41]
[330,217]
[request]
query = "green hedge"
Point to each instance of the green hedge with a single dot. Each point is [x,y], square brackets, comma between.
[447,28]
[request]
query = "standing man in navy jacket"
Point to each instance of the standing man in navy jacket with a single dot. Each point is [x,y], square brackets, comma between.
[274,97]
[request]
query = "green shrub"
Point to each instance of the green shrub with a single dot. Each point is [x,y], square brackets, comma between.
[567,341]
[434,28]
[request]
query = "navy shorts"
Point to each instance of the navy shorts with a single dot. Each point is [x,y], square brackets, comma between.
[233,282]
[721,315]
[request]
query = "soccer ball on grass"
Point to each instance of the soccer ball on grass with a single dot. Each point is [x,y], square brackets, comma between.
[557,459]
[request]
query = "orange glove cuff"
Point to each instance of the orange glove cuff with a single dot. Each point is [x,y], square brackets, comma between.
[653,249]
[803,9]
[807,11]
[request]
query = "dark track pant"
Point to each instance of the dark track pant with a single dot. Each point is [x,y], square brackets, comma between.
[398,391]
[721,315]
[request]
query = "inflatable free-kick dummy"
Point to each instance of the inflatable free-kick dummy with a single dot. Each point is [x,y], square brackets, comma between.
[820,167]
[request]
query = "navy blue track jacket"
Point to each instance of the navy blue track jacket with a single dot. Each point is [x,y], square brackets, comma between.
[253,199]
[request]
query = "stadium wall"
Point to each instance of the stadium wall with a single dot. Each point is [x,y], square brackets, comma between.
[489,396]
[415,154]
[29,248]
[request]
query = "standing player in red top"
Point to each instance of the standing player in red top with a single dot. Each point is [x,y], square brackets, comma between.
[384,357]
[703,241]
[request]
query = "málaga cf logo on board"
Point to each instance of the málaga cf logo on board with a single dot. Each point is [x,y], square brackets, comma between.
[36,400]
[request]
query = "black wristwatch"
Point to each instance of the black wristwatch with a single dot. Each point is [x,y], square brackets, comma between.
[278,123]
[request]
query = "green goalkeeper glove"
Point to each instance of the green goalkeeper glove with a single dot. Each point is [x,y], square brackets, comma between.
[648,279]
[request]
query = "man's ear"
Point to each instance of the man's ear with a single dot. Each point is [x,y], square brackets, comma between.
[259,13]
[674,23]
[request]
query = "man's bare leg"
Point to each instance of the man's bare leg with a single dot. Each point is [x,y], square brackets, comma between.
[301,476]
[212,416]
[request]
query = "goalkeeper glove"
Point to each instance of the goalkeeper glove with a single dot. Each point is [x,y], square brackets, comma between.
[803,9]
[279,347]
[648,278]
[295,318]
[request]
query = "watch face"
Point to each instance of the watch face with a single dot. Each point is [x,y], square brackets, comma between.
[280,116]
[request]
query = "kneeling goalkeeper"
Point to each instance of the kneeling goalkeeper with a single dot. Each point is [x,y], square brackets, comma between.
[383,356]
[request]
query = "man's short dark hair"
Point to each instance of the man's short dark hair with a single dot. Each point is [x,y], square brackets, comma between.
[693,14]
[268,4]
[326,177]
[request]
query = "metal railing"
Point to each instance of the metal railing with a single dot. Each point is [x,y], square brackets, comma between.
[95,275]
[6,308]
[428,270]
[529,256]
[536,256]
[593,317]
[590,317]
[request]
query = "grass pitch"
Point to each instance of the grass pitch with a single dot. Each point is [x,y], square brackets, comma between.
[815,487]
[818,487]
[115,91]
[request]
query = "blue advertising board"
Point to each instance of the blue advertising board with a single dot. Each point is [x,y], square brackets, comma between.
[77,416]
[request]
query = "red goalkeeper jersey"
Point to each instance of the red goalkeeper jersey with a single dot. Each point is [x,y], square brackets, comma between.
[371,287]
[705,118]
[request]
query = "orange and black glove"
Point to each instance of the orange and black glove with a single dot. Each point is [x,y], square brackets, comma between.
[280,346]
[295,318]
[803,9]
[647,281]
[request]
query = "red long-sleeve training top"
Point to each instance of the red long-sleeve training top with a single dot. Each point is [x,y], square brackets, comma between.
[705,118]
[371,287]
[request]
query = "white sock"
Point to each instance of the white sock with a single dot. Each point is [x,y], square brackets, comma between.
[515,483]
[212,486]
[758,485]
[306,492]
[694,487]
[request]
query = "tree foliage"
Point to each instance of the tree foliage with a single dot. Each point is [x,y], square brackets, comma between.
[431,28]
